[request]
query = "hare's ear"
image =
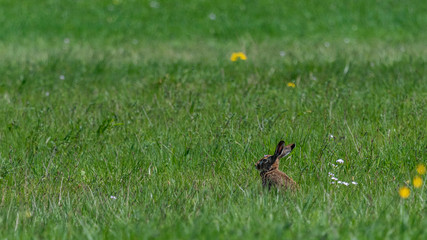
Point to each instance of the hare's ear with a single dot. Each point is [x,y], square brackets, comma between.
[285,150]
[279,148]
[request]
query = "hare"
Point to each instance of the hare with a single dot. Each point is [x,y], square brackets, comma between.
[268,166]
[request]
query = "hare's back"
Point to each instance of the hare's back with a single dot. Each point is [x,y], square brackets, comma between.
[287,181]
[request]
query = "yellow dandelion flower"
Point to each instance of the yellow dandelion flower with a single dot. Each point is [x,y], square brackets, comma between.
[421,169]
[417,182]
[237,55]
[291,84]
[404,192]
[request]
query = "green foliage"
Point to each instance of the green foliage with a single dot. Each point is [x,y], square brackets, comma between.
[126,119]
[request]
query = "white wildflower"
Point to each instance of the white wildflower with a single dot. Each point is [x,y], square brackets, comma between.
[154,4]
[282,53]
[340,161]
[355,183]
[334,178]
[212,16]
[331,174]
[67,41]
[62,77]
[113,197]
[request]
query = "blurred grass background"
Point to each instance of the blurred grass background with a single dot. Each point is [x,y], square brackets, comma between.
[120,20]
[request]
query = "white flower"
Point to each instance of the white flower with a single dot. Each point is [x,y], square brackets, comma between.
[67,41]
[331,174]
[113,197]
[346,40]
[154,4]
[282,53]
[333,165]
[331,136]
[340,161]
[332,182]
[344,183]
[327,44]
[47,94]
[355,183]
[334,178]
[212,16]
[62,77]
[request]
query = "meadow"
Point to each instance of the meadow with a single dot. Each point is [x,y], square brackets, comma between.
[126,119]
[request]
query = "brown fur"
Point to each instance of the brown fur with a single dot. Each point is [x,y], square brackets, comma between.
[268,166]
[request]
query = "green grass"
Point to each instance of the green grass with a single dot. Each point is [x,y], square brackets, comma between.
[152,111]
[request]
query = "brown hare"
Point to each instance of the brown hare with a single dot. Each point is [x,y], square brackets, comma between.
[268,166]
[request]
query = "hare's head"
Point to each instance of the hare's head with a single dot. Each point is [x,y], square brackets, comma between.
[271,162]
